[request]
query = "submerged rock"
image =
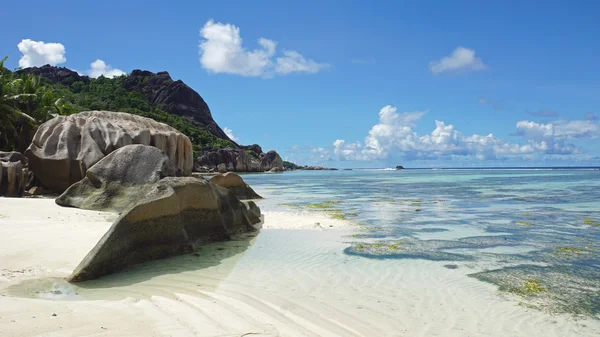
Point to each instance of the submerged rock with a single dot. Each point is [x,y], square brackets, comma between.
[65,147]
[119,180]
[176,216]
[236,185]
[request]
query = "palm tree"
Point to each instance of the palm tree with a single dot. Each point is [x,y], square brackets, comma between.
[25,103]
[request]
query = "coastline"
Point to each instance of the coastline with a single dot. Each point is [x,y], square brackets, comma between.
[285,281]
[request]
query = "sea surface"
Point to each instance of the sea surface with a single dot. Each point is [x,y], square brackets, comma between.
[534,233]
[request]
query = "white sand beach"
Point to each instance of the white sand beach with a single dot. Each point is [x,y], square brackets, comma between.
[289,280]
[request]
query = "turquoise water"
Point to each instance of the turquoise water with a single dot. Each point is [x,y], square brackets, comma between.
[534,233]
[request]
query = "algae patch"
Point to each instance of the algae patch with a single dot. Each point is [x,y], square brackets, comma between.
[589,221]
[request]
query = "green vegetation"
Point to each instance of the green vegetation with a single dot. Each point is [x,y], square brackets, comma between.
[530,286]
[25,102]
[570,251]
[591,222]
[109,94]
[524,223]
[28,100]
[290,165]
[378,246]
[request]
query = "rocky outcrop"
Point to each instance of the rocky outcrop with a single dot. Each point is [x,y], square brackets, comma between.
[399,167]
[271,160]
[176,216]
[238,160]
[14,175]
[317,168]
[65,147]
[119,180]
[174,97]
[235,184]
[56,74]
[228,159]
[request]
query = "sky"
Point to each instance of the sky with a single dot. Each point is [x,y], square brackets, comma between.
[352,84]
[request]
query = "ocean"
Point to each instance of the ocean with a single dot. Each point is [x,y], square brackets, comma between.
[532,232]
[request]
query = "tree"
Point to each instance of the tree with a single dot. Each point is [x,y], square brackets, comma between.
[25,103]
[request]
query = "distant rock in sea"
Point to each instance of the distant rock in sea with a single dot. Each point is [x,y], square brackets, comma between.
[399,167]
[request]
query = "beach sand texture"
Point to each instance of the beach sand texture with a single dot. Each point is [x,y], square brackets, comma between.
[292,279]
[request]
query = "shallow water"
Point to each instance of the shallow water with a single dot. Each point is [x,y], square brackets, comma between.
[509,219]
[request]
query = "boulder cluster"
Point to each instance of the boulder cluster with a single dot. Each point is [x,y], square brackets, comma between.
[142,169]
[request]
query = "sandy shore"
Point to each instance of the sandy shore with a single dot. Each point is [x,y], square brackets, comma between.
[282,282]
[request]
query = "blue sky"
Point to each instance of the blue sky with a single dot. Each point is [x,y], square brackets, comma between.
[350,84]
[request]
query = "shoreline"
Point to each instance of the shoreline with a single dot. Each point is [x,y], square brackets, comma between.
[292,279]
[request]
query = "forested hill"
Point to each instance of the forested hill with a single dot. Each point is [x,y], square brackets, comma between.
[153,95]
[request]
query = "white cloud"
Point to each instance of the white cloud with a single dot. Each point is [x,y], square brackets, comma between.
[294,62]
[100,68]
[221,51]
[394,136]
[559,129]
[39,53]
[462,59]
[229,134]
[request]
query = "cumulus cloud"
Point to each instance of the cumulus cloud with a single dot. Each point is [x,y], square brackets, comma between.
[221,51]
[461,59]
[394,135]
[100,68]
[559,129]
[229,134]
[39,53]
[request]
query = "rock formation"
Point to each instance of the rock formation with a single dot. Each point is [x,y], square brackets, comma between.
[232,160]
[119,180]
[235,184]
[14,174]
[65,147]
[399,167]
[174,97]
[176,216]
[271,160]
[238,160]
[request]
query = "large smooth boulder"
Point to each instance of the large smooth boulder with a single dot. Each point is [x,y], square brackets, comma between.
[175,217]
[65,147]
[120,179]
[271,160]
[235,184]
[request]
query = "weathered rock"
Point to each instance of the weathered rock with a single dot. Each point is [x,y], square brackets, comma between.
[317,168]
[14,174]
[13,157]
[174,97]
[399,167]
[65,147]
[12,179]
[56,74]
[177,215]
[119,180]
[233,160]
[271,160]
[235,184]
[275,170]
